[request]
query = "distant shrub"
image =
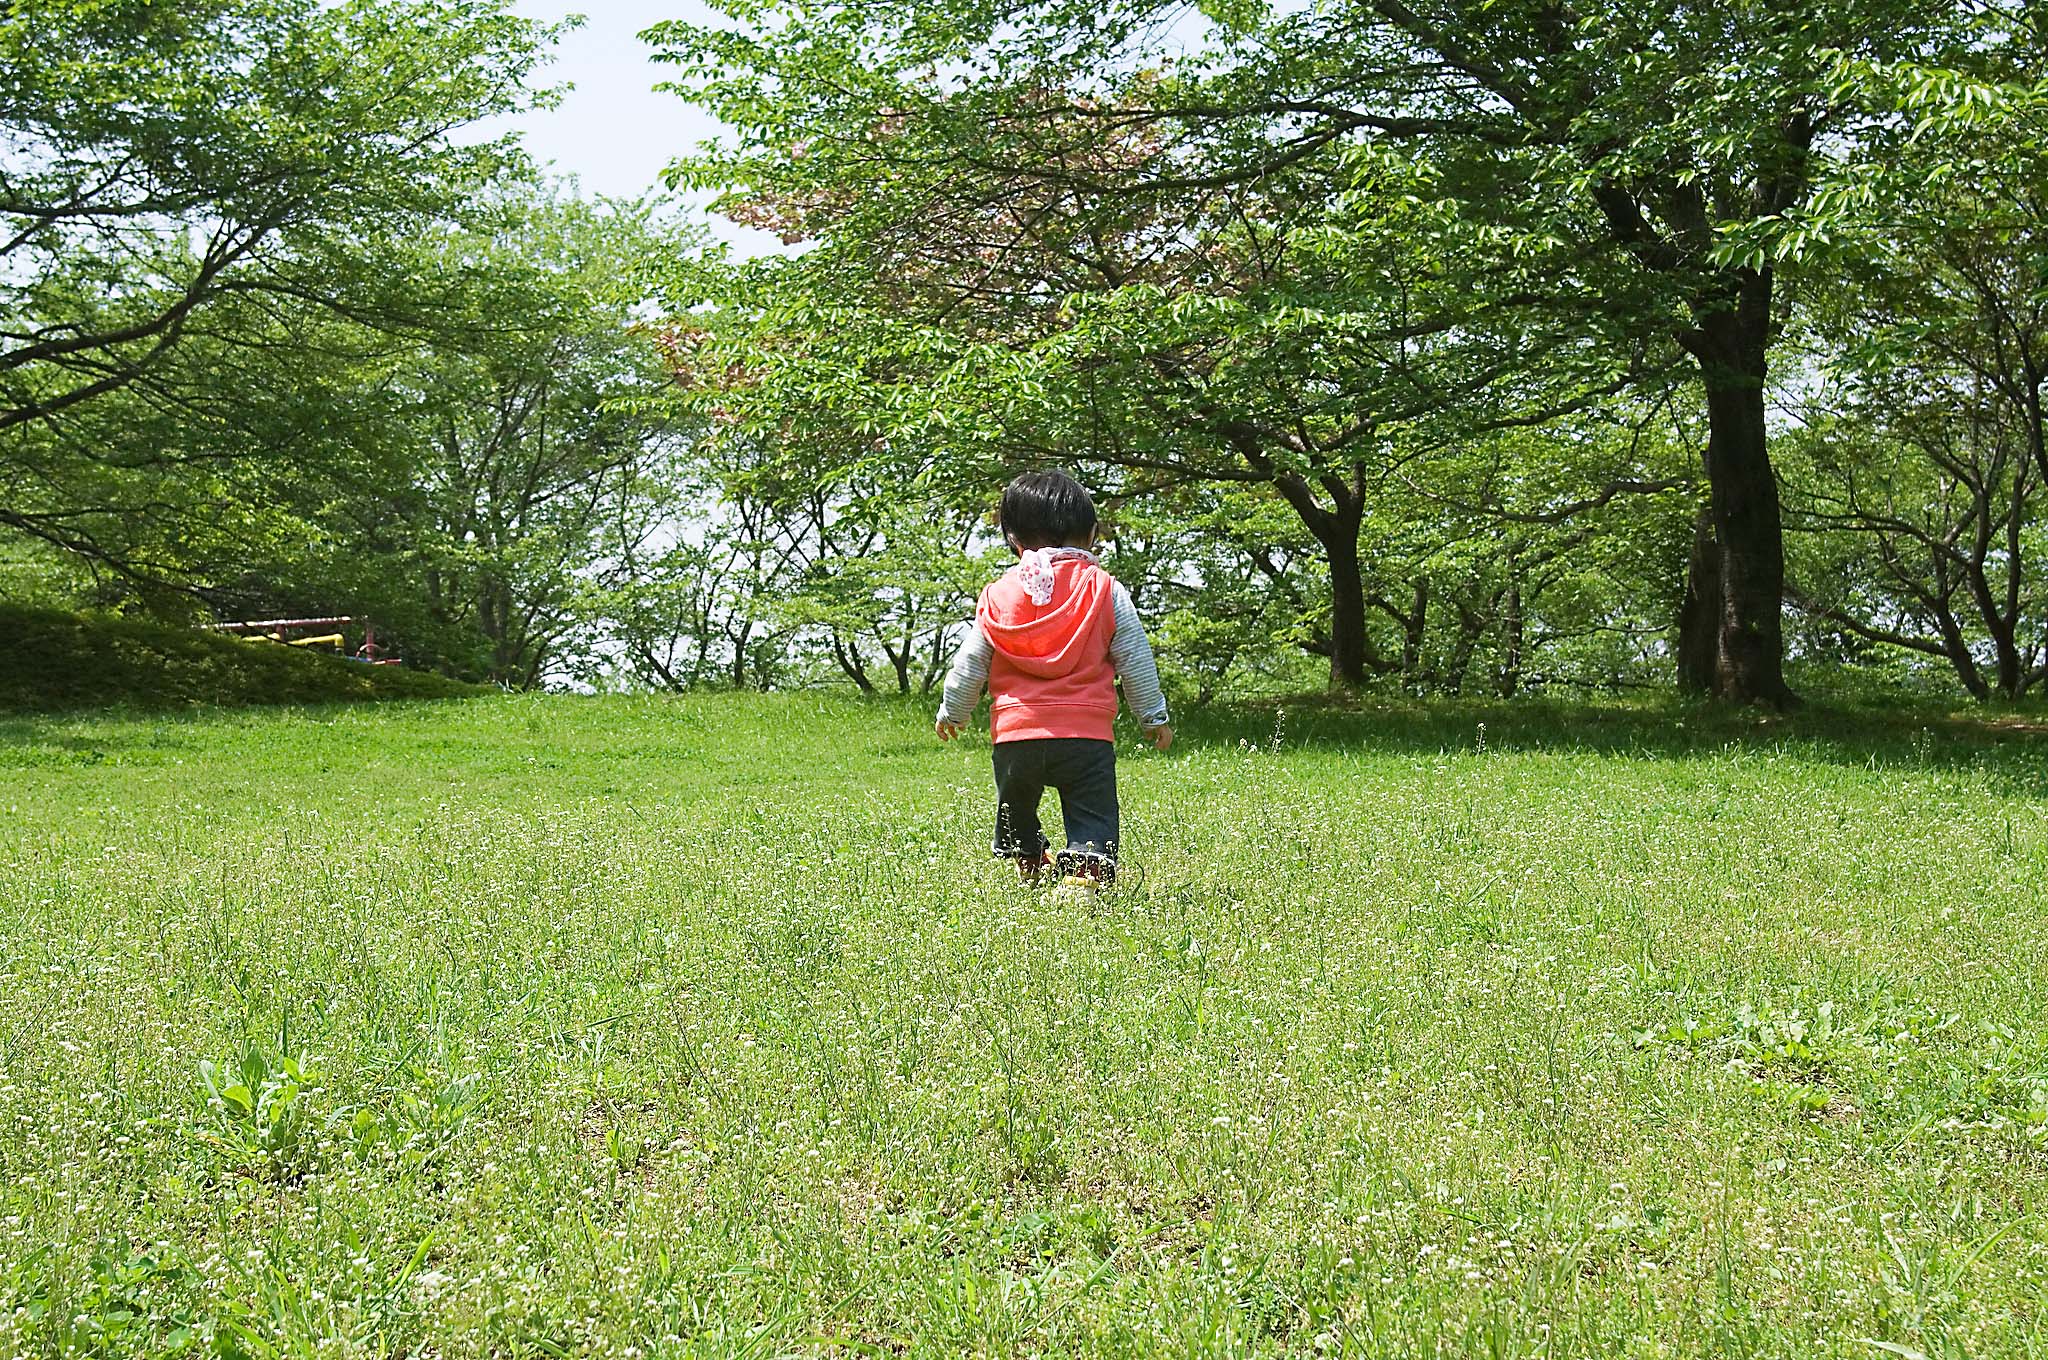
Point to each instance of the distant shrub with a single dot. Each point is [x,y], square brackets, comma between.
[51,660]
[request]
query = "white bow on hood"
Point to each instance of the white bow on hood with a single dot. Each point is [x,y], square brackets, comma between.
[1034,570]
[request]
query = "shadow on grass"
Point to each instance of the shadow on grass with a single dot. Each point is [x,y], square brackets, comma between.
[163,677]
[2009,747]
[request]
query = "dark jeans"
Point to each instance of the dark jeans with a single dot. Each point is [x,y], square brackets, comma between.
[1084,772]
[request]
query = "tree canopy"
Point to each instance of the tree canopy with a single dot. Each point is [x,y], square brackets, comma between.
[1325,250]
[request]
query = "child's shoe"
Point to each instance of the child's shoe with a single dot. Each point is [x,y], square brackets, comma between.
[1096,869]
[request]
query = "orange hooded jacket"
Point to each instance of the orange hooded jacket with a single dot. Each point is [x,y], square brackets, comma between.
[1050,675]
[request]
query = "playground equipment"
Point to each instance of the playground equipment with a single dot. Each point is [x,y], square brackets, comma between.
[289,631]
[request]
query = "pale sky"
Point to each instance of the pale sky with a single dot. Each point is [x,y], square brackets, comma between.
[613,132]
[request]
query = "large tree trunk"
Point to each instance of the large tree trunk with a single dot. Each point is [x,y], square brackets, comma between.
[2000,620]
[1751,665]
[1699,614]
[1730,346]
[1348,644]
[1953,638]
[1336,531]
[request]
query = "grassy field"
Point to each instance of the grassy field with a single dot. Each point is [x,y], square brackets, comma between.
[539,1026]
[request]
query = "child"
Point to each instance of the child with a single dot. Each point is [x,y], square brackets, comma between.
[1050,639]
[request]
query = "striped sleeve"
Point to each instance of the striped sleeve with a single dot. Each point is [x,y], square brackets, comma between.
[1131,654]
[967,679]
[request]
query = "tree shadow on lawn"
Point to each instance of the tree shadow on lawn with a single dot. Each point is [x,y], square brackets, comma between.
[128,735]
[2007,748]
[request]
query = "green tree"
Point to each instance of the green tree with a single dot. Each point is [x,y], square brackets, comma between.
[182,184]
[840,558]
[513,452]
[1628,176]
[1920,464]
[167,490]
[887,583]
[685,591]
[1223,335]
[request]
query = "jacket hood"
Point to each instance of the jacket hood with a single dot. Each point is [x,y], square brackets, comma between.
[1051,639]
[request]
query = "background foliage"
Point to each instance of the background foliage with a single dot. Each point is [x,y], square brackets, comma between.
[1674,348]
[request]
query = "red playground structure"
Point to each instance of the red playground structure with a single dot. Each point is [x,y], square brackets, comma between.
[323,633]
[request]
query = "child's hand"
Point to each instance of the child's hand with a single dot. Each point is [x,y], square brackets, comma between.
[947,730]
[1160,736]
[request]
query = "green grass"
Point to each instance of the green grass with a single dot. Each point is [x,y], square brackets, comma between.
[704,1027]
[53,661]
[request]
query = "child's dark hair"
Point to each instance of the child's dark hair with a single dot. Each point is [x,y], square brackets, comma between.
[1045,510]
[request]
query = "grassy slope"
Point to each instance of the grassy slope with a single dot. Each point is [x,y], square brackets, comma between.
[1400,1045]
[58,661]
